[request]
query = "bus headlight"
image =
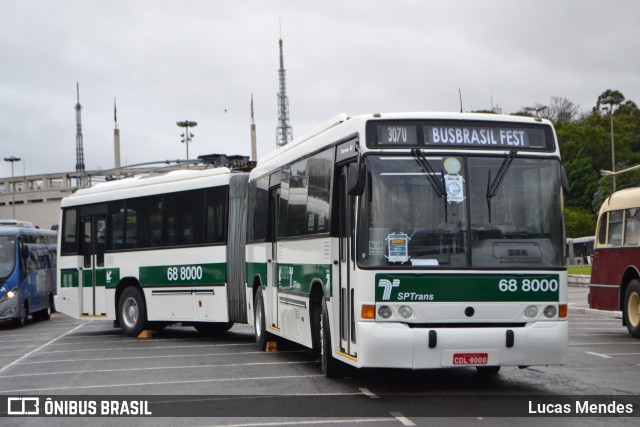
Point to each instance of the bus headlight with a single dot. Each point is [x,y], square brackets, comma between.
[384,312]
[405,312]
[550,311]
[11,294]
[531,311]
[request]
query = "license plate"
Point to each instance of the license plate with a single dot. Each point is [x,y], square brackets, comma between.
[470,358]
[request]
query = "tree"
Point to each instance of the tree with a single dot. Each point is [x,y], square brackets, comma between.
[561,110]
[579,222]
[614,97]
[583,183]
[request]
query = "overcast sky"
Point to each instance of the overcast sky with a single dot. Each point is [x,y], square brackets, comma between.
[201,60]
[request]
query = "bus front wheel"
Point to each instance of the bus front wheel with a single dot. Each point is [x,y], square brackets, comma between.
[631,309]
[24,315]
[331,367]
[132,311]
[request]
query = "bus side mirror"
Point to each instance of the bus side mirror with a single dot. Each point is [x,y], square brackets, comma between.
[355,180]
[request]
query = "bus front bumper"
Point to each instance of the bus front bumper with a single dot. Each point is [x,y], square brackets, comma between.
[396,345]
[9,308]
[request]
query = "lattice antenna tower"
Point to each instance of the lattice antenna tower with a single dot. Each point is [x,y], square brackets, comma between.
[284,132]
[79,149]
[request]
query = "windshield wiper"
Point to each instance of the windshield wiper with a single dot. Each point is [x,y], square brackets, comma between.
[437,185]
[493,186]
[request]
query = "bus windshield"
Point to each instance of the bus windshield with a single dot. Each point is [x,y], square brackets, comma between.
[499,212]
[7,256]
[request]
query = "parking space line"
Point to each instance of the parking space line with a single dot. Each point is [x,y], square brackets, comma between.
[598,354]
[166,356]
[369,393]
[5,367]
[404,420]
[162,383]
[163,368]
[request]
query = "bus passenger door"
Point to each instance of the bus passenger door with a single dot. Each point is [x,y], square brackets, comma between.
[346,261]
[271,297]
[93,292]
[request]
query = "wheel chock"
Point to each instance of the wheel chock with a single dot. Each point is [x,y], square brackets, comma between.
[272,346]
[146,334]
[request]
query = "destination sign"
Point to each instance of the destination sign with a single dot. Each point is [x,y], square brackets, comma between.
[490,137]
[459,135]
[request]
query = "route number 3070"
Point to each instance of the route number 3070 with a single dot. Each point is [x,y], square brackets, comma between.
[528,285]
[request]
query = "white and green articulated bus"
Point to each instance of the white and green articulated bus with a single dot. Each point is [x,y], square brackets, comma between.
[412,241]
[151,251]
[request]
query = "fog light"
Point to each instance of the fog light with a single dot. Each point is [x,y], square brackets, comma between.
[531,311]
[550,311]
[384,312]
[405,312]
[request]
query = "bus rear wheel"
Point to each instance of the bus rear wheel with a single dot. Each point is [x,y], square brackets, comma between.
[631,309]
[259,322]
[132,312]
[45,313]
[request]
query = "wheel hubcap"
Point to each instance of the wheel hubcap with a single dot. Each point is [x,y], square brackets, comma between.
[130,312]
[258,321]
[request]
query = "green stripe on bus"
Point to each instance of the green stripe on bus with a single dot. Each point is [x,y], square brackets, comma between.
[186,274]
[107,277]
[467,287]
[298,278]
[256,269]
[69,278]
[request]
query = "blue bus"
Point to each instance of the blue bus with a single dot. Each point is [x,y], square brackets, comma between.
[27,273]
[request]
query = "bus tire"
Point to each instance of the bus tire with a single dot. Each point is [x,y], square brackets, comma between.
[331,367]
[24,315]
[631,309]
[46,313]
[259,321]
[206,328]
[132,312]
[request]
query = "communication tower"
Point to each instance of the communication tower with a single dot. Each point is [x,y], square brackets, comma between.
[79,149]
[284,132]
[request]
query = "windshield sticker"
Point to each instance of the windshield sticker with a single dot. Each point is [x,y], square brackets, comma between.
[452,165]
[455,188]
[398,247]
[376,247]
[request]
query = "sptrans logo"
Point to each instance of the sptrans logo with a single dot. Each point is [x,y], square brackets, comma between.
[388,286]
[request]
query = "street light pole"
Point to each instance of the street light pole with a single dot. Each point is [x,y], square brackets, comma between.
[13,159]
[186,136]
[611,102]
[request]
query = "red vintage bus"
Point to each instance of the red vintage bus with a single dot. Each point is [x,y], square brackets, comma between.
[615,274]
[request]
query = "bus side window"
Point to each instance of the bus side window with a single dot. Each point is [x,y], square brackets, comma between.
[615,228]
[69,231]
[602,231]
[632,227]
